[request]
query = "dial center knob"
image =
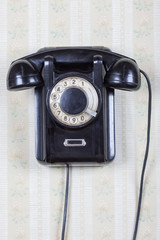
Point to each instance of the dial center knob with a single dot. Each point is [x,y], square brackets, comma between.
[73,101]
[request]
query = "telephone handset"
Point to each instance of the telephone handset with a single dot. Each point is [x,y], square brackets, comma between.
[74,97]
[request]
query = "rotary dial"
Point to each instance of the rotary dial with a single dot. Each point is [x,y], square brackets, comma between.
[73,101]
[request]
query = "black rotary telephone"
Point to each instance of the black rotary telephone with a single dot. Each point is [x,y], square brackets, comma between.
[74,94]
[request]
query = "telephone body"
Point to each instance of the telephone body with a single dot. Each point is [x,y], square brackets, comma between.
[74,101]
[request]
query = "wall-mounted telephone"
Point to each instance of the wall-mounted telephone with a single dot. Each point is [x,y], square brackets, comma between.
[74,95]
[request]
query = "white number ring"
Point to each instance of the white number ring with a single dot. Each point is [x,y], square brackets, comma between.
[55,96]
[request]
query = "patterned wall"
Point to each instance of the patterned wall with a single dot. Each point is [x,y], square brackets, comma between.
[102,200]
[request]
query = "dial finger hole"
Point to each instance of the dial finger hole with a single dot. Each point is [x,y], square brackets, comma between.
[73,120]
[65,118]
[65,83]
[82,118]
[74,82]
[59,88]
[82,84]
[59,112]
[54,96]
[54,105]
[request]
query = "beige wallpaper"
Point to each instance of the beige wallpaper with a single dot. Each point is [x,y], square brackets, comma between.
[102,200]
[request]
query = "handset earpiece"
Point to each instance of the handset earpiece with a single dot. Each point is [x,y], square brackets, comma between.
[124,75]
[23,75]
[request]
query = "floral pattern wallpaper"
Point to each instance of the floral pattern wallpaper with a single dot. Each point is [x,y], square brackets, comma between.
[102,200]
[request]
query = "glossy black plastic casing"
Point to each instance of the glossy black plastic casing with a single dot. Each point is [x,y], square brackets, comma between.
[105,70]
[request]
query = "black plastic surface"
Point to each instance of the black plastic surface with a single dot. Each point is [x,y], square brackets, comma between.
[124,74]
[73,101]
[23,75]
[101,67]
